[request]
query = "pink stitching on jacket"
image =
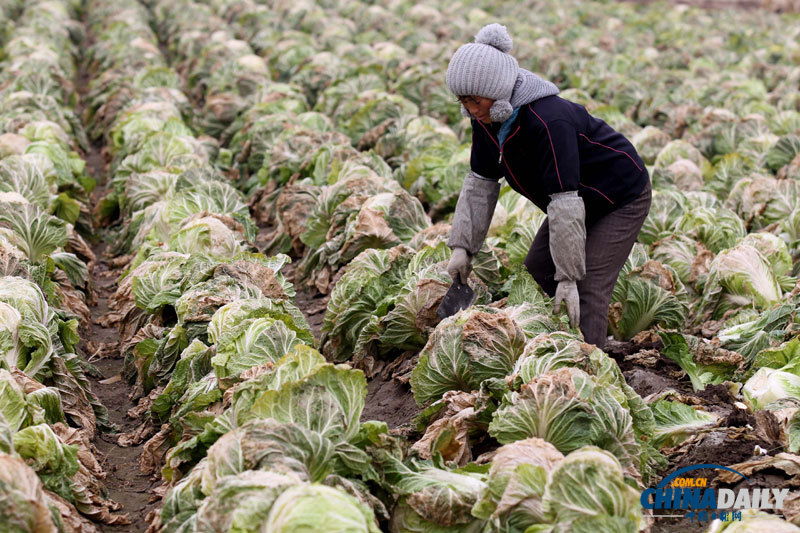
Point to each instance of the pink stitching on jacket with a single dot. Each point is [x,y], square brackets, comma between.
[510,136]
[506,162]
[613,150]
[597,191]
[553,148]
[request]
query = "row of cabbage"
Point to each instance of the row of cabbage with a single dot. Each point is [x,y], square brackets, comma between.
[50,479]
[218,354]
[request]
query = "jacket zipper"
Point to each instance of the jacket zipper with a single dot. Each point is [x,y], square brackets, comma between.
[504,145]
[500,158]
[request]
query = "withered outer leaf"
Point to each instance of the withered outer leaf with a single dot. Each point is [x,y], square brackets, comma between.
[791,507]
[23,380]
[533,451]
[789,463]
[295,203]
[443,505]
[15,473]
[87,483]
[74,522]
[155,450]
[77,245]
[449,433]
[72,300]
[74,399]
[254,274]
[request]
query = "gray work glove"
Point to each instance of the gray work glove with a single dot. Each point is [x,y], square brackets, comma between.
[567,292]
[474,211]
[460,264]
[566,216]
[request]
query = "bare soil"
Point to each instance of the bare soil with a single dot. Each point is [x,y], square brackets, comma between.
[389,401]
[648,372]
[718,448]
[124,481]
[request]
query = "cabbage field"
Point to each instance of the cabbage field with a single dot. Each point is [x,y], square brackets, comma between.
[223,231]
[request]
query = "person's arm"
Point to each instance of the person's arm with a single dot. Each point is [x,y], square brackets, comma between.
[474,209]
[566,213]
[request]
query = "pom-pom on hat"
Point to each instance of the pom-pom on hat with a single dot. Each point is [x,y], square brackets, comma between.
[485,68]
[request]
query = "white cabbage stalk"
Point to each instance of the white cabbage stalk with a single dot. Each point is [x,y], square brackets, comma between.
[13,197]
[769,385]
[9,339]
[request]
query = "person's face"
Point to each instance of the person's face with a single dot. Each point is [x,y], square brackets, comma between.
[478,107]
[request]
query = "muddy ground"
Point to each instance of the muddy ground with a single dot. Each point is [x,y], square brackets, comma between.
[124,482]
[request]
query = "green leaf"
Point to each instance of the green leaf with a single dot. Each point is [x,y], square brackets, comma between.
[589,483]
[677,349]
[328,401]
[318,507]
[35,232]
[66,208]
[13,403]
[53,461]
[794,434]
[675,422]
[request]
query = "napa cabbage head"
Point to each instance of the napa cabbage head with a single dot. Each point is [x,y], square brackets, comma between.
[32,346]
[313,507]
[587,492]
[739,277]
[516,483]
[464,350]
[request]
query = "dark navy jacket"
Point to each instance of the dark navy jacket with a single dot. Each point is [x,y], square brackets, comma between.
[555,145]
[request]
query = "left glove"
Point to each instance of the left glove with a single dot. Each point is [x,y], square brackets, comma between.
[567,292]
[566,216]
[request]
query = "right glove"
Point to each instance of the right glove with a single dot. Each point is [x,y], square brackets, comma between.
[460,264]
[567,292]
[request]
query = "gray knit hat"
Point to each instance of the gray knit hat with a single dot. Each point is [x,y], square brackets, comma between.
[485,68]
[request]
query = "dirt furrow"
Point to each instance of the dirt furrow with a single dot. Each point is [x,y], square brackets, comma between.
[124,481]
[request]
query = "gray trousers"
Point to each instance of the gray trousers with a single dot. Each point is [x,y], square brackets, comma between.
[609,241]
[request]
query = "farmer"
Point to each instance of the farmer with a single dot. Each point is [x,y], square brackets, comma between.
[586,176]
